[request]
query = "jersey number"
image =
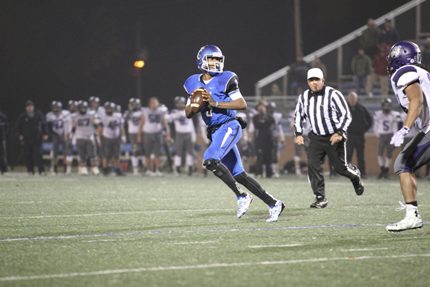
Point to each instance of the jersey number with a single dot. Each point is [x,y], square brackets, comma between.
[209,113]
[386,126]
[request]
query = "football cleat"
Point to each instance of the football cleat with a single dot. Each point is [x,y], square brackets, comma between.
[319,203]
[412,219]
[358,184]
[275,211]
[82,170]
[243,203]
[68,170]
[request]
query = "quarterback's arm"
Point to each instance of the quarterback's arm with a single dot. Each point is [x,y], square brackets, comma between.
[415,97]
[238,104]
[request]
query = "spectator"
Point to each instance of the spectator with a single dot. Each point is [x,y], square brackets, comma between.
[316,63]
[296,75]
[3,140]
[388,34]
[360,124]
[370,38]
[275,90]
[362,68]
[263,139]
[380,70]
[425,52]
[31,127]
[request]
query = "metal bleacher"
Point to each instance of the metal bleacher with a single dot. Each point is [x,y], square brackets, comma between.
[337,57]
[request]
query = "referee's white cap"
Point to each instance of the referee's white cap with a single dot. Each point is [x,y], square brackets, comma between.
[315,73]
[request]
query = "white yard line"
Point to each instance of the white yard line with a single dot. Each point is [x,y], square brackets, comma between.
[363,249]
[160,229]
[275,246]
[194,242]
[113,213]
[204,266]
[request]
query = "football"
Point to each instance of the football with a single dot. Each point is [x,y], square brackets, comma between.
[196,99]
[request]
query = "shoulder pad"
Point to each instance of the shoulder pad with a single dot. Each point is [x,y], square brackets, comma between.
[404,76]
[192,83]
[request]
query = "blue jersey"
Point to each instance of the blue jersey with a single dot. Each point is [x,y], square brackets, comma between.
[223,87]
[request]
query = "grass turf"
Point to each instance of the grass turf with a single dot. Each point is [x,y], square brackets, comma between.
[180,231]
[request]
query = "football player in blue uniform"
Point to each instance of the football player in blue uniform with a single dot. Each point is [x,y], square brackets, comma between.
[220,91]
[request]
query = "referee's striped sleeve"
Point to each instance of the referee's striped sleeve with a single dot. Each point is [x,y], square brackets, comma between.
[299,116]
[345,115]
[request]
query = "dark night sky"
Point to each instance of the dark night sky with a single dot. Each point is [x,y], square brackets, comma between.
[75,49]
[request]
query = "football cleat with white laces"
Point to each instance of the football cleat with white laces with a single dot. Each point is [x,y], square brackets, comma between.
[412,219]
[243,203]
[275,211]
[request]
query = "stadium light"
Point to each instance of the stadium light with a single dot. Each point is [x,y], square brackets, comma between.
[139,64]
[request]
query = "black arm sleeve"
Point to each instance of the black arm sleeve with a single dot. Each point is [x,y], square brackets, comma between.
[232,85]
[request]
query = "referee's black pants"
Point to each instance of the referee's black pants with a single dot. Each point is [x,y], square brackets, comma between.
[319,147]
[356,142]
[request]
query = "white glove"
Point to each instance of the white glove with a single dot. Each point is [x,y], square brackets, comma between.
[399,136]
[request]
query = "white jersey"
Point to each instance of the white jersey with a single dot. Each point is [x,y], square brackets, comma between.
[386,123]
[69,122]
[306,126]
[405,76]
[112,125]
[59,122]
[133,121]
[183,125]
[100,111]
[85,125]
[153,120]
[278,131]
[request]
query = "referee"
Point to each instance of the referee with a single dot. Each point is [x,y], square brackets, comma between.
[326,110]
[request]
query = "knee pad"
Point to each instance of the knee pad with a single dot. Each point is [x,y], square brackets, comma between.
[215,166]
[211,164]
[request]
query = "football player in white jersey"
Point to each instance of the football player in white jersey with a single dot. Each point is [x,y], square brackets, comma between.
[132,117]
[111,131]
[84,127]
[278,135]
[70,136]
[57,120]
[411,86]
[152,125]
[386,123]
[185,137]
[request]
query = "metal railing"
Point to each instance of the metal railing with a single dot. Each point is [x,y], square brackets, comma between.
[280,75]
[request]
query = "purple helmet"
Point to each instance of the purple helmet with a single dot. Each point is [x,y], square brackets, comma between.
[210,51]
[403,53]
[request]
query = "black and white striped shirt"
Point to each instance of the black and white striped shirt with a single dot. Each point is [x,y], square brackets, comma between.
[326,111]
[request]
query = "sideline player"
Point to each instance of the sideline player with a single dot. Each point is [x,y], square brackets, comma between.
[57,122]
[111,131]
[411,85]
[221,92]
[386,124]
[152,124]
[132,118]
[185,137]
[84,127]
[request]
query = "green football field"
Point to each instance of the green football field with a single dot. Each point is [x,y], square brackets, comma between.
[181,231]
